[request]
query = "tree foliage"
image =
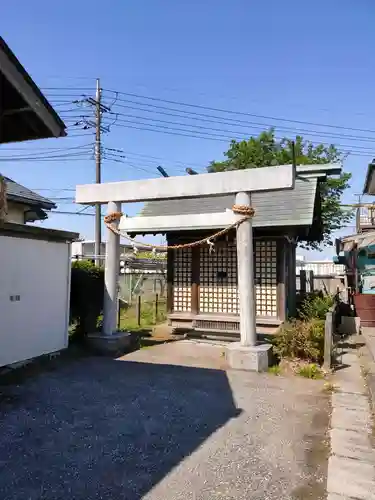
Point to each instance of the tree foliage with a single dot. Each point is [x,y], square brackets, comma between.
[265,150]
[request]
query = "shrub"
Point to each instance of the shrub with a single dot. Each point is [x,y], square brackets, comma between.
[86,297]
[316,307]
[301,339]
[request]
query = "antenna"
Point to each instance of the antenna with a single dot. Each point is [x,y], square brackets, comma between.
[162,171]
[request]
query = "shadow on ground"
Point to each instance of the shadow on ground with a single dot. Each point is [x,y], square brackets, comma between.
[106,429]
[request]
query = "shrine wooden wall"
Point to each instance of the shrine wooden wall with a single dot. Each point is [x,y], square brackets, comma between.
[204,283]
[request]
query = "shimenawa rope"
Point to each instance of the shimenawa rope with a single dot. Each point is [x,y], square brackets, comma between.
[244,210]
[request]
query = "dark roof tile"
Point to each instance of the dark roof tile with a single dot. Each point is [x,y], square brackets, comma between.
[21,194]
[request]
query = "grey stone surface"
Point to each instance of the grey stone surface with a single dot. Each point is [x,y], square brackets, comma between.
[105,429]
[348,436]
[369,337]
[110,344]
[351,467]
[333,496]
[250,358]
[350,401]
[347,448]
[351,420]
[351,477]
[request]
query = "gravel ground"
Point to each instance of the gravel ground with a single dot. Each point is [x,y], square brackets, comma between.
[104,429]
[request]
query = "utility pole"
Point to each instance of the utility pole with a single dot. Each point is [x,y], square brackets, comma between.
[358,215]
[98,173]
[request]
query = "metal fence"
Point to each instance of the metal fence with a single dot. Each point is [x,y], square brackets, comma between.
[308,281]
[145,277]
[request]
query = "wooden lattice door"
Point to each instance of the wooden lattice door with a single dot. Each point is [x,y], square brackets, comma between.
[266,278]
[182,262]
[218,280]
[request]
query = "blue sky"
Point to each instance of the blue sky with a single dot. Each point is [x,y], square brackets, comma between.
[308,61]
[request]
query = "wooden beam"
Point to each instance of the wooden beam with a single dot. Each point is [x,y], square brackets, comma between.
[170,274]
[195,279]
[193,186]
[281,279]
[188,222]
[292,285]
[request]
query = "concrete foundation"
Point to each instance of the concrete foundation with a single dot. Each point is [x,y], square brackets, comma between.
[115,344]
[350,325]
[250,358]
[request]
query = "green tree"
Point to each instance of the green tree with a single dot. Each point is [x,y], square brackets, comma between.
[266,150]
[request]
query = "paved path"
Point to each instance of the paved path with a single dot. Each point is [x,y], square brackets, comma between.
[351,467]
[104,429]
[369,336]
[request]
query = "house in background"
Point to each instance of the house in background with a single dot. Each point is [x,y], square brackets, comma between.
[23,205]
[35,273]
[202,285]
[85,250]
[321,275]
[357,252]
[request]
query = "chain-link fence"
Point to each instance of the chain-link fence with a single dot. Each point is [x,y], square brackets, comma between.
[142,293]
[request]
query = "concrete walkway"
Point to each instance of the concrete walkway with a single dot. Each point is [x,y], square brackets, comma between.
[351,466]
[369,337]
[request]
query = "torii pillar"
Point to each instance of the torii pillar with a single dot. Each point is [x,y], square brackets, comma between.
[246,354]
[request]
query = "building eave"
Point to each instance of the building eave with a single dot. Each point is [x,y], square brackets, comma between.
[16,75]
[369,187]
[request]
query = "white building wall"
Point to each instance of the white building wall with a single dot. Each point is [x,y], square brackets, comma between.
[34,298]
[319,267]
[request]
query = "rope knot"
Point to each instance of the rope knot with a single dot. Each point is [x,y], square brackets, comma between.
[244,210]
[113,217]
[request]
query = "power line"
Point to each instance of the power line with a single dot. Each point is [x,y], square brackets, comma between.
[203,94]
[39,151]
[81,146]
[158,158]
[39,160]
[119,160]
[189,133]
[45,157]
[53,189]
[242,113]
[238,123]
[215,137]
[151,163]
[79,89]
[70,213]
[308,132]
[237,98]
[352,147]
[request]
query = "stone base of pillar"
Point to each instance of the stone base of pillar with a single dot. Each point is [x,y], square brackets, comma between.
[113,345]
[250,358]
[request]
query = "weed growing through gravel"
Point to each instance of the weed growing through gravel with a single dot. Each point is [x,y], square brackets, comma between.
[275,370]
[312,371]
[329,387]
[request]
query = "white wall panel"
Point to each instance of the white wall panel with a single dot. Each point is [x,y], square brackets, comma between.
[34,298]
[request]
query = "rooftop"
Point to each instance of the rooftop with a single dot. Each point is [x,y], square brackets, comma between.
[279,208]
[21,194]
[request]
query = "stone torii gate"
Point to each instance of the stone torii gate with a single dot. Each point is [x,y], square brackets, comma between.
[246,354]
